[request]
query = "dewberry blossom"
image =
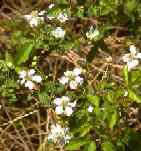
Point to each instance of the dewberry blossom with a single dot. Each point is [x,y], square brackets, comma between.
[72,78]
[64,106]
[92,33]
[59,134]
[29,78]
[34,18]
[58,32]
[90,108]
[132,58]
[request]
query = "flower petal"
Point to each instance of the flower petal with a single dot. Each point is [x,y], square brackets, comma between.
[90,109]
[63,80]
[138,55]
[133,50]
[132,64]
[68,111]
[29,84]
[31,72]
[73,85]
[79,80]
[59,110]
[126,57]
[77,71]
[58,101]
[37,78]
[22,74]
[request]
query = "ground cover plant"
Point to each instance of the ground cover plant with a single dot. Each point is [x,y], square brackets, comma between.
[70,75]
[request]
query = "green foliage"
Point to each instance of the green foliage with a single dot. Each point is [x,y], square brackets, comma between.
[23,54]
[107,146]
[75,144]
[105,127]
[90,147]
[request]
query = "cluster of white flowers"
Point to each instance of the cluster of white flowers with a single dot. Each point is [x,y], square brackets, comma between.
[64,106]
[28,78]
[35,18]
[132,58]
[58,133]
[58,32]
[72,78]
[92,33]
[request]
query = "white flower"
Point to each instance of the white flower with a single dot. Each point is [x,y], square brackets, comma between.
[28,78]
[58,32]
[92,33]
[72,78]
[68,111]
[73,85]
[79,80]
[37,78]
[62,17]
[34,18]
[59,110]
[63,80]
[29,84]
[33,22]
[51,6]
[132,64]
[22,74]
[132,58]
[77,71]
[28,17]
[125,93]
[64,106]
[31,72]
[132,49]
[59,134]
[58,101]
[90,109]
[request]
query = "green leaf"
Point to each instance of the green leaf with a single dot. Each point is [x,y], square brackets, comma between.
[75,144]
[23,53]
[95,100]
[135,97]
[54,11]
[125,74]
[135,76]
[110,96]
[92,53]
[43,97]
[107,146]
[90,147]
[113,120]
[83,130]
[131,5]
